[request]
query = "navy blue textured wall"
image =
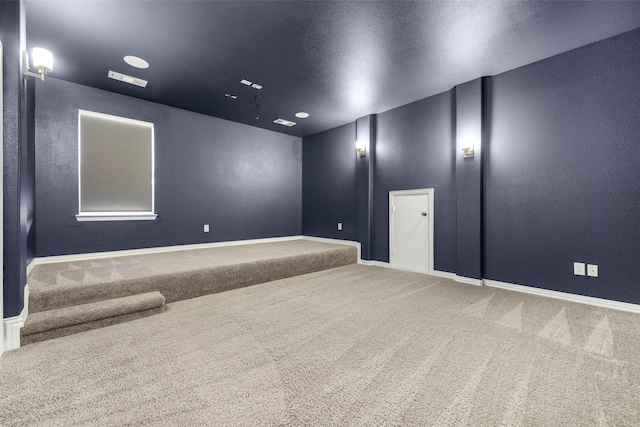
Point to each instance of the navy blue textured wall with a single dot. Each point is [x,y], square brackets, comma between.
[469,180]
[365,133]
[243,181]
[27,171]
[563,174]
[415,148]
[17,160]
[329,184]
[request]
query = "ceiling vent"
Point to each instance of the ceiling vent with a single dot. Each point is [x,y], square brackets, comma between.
[284,122]
[127,79]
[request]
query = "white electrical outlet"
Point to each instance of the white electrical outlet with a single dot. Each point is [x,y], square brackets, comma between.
[339,226]
[206,228]
[592,270]
[578,268]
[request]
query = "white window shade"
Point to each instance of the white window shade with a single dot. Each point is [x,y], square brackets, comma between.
[116,168]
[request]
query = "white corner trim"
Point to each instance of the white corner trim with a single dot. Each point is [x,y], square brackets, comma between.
[469,280]
[461,279]
[444,274]
[375,263]
[581,299]
[11,325]
[133,252]
[30,266]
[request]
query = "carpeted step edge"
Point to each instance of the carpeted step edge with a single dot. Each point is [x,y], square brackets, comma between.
[91,315]
[197,282]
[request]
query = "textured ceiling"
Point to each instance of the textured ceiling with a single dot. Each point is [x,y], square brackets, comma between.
[337,60]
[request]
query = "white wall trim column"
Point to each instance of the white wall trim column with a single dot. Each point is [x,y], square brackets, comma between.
[2,346]
[11,325]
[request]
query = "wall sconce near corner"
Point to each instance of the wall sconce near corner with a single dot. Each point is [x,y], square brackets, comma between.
[467,147]
[361,147]
[42,62]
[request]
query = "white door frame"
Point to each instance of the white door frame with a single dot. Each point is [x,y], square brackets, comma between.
[392,195]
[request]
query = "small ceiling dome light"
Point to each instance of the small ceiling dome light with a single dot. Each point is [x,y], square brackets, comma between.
[361,147]
[42,62]
[302,115]
[134,61]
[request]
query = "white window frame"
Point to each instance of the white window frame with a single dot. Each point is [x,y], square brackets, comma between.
[115,215]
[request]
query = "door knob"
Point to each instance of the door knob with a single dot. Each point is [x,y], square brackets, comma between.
[424,213]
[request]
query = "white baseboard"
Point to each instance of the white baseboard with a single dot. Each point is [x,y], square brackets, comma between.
[469,280]
[144,251]
[12,325]
[598,302]
[375,263]
[445,274]
[461,279]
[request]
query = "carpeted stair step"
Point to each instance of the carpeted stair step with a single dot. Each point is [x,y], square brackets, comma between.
[59,322]
[179,275]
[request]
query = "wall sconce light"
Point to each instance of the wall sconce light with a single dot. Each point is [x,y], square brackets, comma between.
[361,147]
[467,147]
[42,62]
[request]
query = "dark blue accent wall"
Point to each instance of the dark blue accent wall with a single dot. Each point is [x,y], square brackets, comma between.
[243,181]
[18,160]
[469,180]
[27,171]
[554,179]
[366,133]
[563,174]
[415,149]
[329,184]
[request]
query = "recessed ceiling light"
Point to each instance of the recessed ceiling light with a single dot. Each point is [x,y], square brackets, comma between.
[134,61]
[284,122]
[256,86]
[302,115]
[230,96]
[246,82]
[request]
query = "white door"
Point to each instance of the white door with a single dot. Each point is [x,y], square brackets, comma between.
[411,230]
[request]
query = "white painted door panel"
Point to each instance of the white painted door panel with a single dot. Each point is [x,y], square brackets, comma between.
[410,243]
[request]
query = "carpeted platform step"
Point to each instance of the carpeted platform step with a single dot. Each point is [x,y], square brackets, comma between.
[179,275]
[59,322]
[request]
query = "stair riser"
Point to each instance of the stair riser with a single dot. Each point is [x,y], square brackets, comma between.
[68,330]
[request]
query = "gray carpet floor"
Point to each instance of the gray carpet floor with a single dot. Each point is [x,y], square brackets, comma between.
[355,345]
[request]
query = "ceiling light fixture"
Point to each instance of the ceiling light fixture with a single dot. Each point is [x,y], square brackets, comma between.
[361,148]
[230,96]
[250,83]
[42,62]
[284,122]
[127,79]
[134,61]
[302,115]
